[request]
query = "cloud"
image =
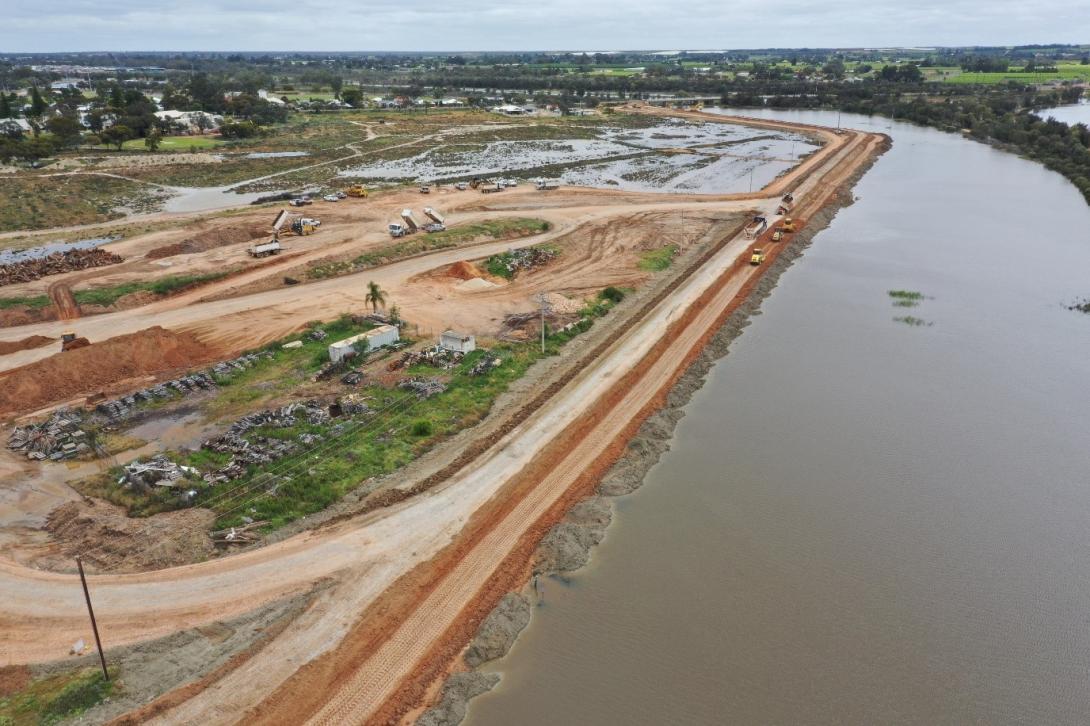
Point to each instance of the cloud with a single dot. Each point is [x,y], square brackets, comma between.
[433,25]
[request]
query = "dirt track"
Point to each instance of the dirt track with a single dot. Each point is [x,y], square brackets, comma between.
[489,514]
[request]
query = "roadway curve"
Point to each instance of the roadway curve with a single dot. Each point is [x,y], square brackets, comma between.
[453,539]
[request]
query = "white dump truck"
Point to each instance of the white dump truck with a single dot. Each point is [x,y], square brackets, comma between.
[407,225]
[272,247]
[754,228]
[546,185]
[434,215]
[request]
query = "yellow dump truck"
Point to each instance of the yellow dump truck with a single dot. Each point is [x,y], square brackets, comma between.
[356,190]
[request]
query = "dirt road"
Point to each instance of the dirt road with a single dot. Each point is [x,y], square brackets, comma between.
[449,543]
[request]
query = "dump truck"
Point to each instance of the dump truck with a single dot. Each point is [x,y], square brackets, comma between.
[546,185]
[757,257]
[272,247]
[754,228]
[407,225]
[434,215]
[356,190]
[489,188]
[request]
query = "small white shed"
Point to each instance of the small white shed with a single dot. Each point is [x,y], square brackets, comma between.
[376,338]
[457,342]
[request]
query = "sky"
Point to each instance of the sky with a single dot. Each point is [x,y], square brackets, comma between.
[466,25]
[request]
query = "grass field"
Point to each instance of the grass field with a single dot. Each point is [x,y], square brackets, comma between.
[106,296]
[177,143]
[36,202]
[1064,72]
[657,260]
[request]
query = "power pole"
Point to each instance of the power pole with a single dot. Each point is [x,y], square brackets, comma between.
[544,304]
[91,612]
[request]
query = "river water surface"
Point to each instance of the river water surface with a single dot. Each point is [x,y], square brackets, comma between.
[860,521]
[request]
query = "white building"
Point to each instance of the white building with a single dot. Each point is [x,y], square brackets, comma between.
[457,342]
[189,120]
[374,338]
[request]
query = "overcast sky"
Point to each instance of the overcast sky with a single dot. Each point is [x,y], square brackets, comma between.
[328,25]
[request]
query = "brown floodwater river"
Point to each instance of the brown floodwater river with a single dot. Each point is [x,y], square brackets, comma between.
[860,521]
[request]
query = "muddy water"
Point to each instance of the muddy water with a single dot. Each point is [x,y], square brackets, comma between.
[860,521]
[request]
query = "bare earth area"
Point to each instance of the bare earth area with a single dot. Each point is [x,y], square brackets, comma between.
[405,583]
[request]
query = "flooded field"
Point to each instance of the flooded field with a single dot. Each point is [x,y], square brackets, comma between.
[859,521]
[674,156]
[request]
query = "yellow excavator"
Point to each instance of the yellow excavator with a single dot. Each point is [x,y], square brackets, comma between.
[356,190]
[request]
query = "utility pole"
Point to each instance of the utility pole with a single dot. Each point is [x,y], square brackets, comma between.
[91,612]
[544,303]
[751,179]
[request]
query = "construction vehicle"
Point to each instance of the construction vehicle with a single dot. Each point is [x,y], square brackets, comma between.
[490,188]
[461,186]
[303,226]
[476,182]
[757,257]
[788,224]
[425,189]
[272,247]
[754,228]
[788,198]
[356,190]
[546,185]
[434,215]
[777,235]
[408,224]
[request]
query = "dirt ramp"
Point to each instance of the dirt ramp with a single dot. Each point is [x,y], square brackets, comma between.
[209,240]
[97,366]
[14,346]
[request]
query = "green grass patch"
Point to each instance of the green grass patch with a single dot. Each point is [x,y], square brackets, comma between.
[429,242]
[176,143]
[55,698]
[658,260]
[36,202]
[107,296]
[913,321]
[36,301]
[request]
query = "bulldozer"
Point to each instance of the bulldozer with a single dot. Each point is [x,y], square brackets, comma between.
[757,257]
[788,224]
[356,190]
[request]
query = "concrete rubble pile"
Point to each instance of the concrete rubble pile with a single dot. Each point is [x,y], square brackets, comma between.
[353,404]
[156,471]
[230,367]
[318,334]
[423,387]
[527,258]
[55,264]
[119,409]
[58,437]
[263,450]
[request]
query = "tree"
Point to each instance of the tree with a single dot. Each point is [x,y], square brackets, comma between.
[375,296]
[5,106]
[152,140]
[66,128]
[336,83]
[38,106]
[353,97]
[395,315]
[116,135]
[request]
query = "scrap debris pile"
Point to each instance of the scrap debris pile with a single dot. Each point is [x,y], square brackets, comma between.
[486,363]
[230,367]
[58,437]
[434,356]
[55,264]
[423,387]
[523,259]
[263,450]
[156,471]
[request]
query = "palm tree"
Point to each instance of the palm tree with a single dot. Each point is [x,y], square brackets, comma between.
[375,296]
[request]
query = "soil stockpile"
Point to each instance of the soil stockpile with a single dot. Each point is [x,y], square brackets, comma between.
[109,539]
[14,346]
[99,365]
[208,240]
[464,271]
[55,264]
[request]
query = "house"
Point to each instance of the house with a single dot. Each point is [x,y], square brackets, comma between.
[191,121]
[372,339]
[457,342]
